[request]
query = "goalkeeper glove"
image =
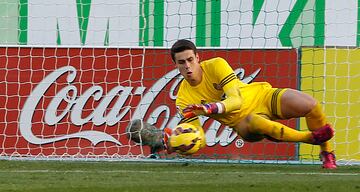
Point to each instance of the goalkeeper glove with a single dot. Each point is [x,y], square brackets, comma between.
[165,138]
[206,109]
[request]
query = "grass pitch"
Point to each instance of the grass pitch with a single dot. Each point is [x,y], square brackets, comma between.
[144,176]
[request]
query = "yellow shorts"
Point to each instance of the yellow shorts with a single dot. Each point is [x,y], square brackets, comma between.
[270,106]
[259,98]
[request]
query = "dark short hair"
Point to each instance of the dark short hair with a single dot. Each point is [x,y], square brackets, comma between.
[182,45]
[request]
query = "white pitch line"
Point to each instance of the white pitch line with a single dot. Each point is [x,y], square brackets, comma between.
[178,172]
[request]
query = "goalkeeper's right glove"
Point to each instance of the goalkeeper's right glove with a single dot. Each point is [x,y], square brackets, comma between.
[203,109]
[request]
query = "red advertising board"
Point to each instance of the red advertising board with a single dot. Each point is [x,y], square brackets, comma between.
[78,101]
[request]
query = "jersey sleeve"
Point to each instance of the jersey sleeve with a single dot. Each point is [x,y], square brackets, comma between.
[222,71]
[230,84]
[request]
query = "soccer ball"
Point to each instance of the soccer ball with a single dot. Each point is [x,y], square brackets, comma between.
[187,139]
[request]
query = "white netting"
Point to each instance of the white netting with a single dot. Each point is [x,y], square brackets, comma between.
[74,73]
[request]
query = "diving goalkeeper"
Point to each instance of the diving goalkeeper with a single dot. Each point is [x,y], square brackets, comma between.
[250,109]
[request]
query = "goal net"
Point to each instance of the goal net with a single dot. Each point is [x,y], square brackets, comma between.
[75,73]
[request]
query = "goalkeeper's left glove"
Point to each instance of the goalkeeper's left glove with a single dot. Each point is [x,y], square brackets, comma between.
[200,109]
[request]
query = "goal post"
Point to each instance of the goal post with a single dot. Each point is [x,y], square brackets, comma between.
[73,74]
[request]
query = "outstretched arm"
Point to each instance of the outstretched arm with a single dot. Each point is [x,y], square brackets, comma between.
[232,102]
[233,99]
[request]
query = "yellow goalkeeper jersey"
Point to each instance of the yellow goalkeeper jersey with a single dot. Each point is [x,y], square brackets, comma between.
[217,74]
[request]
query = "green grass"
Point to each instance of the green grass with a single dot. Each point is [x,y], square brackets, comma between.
[144,176]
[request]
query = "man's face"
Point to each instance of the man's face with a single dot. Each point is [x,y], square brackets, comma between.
[188,64]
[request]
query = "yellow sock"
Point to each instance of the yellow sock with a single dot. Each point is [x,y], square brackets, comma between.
[316,119]
[277,130]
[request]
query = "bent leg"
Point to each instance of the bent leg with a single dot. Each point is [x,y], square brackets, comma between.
[242,130]
[315,120]
[278,130]
[298,104]
[257,125]
[294,103]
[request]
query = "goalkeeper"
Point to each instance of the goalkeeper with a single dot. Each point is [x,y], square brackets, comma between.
[250,109]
